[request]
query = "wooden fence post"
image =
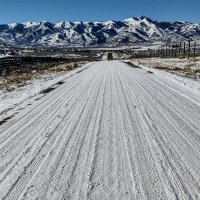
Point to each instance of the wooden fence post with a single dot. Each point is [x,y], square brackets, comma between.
[175,52]
[188,49]
[179,51]
[163,52]
[184,52]
[194,51]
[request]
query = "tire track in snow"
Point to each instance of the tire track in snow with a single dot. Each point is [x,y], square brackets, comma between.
[34,165]
[43,133]
[186,171]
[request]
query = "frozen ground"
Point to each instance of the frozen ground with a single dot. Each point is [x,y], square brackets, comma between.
[182,67]
[172,63]
[109,132]
[181,82]
[32,88]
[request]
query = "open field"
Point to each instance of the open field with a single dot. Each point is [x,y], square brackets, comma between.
[16,79]
[108,131]
[182,67]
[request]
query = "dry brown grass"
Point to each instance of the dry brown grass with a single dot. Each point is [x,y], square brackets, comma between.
[21,79]
[18,80]
[158,64]
[189,68]
[63,67]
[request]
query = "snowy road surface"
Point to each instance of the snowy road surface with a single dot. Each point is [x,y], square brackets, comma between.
[109,132]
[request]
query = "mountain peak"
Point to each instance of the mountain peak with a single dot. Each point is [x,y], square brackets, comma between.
[108,33]
[30,24]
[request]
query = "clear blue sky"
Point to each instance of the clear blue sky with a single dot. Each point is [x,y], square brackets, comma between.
[97,10]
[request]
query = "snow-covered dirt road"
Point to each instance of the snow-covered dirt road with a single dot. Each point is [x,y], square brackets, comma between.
[109,132]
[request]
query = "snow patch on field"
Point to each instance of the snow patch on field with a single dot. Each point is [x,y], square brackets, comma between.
[186,86]
[187,82]
[172,63]
[19,94]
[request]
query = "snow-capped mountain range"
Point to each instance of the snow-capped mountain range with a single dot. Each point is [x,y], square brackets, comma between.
[109,33]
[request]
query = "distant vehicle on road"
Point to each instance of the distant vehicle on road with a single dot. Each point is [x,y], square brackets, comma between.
[110,56]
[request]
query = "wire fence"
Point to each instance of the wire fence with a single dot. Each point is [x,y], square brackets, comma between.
[188,49]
